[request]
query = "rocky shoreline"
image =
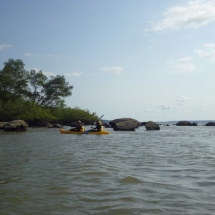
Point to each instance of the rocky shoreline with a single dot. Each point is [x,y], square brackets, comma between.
[121,124]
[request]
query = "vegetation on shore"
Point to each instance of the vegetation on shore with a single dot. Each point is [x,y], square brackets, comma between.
[32,97]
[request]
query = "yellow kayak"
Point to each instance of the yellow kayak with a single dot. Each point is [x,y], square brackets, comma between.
[63,131]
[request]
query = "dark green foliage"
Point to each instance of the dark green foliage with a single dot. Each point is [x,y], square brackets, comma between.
[37,81]
[54,90]
[32,97]
[68,115]
[13,80]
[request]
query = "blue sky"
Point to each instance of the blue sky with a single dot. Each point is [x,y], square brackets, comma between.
[144,59]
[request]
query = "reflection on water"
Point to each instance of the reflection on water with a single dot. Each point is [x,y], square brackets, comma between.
[170,171]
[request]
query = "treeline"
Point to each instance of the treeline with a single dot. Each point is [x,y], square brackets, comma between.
[31,96]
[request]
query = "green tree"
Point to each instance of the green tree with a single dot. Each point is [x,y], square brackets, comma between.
[54,90]
[37,81]
[13,80]
[33,97]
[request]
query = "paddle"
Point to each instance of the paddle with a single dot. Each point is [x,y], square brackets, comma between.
[86,132]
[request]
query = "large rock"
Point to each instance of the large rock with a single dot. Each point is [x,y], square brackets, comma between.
[186,123]
[152,126]
[210,124]
[16,125]
[124,124]
[2,124]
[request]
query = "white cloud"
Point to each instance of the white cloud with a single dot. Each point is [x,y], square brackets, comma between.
[183,65]
[76,74]
[5,46]
[115,69]
[45,73]
[207,51]
[183,99]
[193,14]
[165,106]
[36,69]
[27,54]
[49,73]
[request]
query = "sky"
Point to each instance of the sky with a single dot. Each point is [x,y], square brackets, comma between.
[141,59]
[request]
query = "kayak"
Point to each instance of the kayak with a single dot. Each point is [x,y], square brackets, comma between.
[63,131]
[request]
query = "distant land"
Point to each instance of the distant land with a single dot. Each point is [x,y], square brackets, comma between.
[176,121]
[171,122]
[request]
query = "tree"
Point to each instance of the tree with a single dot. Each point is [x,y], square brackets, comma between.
[31,95]
[13,80]
[37,81]
[54,90]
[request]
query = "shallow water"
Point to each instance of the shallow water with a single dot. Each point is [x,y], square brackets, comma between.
[171,171]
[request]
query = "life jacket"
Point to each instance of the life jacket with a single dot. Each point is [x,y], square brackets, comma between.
[82,129]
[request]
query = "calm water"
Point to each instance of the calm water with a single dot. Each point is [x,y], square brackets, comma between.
[171,171]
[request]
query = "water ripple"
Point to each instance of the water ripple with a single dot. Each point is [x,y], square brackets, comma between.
[165,172]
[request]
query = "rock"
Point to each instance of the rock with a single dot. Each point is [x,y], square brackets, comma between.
[49,125]
[124,124]
[2,124]
[194,124]
[142,123]
[16,125]
[57,125]
[152,126]
[186,123]
[210,124]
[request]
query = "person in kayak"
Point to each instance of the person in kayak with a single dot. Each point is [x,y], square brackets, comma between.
[78,127]
[98,126]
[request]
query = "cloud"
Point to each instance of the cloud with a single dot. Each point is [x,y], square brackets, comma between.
[5,46]
[207,51]
[45,73]
[115,69]
[165,106]
[49,73]
[193,14]
[76,74]
[183,65]
[36,69]
[183,99]
[27,54]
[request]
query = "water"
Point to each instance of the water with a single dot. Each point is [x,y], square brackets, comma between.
[166,172]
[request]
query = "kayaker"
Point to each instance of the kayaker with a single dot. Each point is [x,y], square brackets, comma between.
[98,126]
[78,127]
